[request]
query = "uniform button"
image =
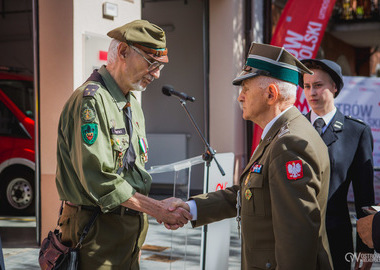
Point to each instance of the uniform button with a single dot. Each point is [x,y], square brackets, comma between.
[145,180]
[268,265]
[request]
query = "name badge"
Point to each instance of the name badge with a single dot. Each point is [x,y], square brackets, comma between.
[118,131]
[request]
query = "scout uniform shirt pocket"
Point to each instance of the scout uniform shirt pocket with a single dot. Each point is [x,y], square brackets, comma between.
[120,144]
[253,195]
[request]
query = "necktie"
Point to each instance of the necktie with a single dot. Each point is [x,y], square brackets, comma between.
[130,155]
[319,124]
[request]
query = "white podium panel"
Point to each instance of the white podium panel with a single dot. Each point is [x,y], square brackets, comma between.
[218,233]
[185,247]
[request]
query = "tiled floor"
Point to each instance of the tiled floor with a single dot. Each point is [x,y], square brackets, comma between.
[182,252]
[179,251]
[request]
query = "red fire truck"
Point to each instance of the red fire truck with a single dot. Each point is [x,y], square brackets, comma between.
[17,150]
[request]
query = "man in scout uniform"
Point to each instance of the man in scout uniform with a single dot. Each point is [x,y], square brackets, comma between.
[102,150]
[283,190]
[350,146]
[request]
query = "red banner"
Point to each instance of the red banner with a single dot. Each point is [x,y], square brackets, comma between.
[301,26]
[300,31]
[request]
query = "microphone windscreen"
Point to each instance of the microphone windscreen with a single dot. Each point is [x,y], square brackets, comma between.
[167,90]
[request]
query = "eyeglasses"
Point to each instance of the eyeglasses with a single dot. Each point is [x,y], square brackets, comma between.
[152,66]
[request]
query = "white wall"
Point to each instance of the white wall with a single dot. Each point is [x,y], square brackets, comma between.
[227,129]
[88,18]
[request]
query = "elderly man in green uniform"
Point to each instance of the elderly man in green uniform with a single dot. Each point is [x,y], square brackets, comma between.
[284,187]
[102,150]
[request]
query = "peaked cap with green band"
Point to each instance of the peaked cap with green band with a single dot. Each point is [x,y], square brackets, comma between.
[144,35]
[271,61]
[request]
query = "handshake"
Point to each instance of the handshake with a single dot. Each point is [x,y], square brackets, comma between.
[175,213]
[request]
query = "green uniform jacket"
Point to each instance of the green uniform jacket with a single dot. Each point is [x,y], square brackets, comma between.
[92,140]
[284,192]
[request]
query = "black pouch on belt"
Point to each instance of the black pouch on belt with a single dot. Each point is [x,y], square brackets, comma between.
[56,255]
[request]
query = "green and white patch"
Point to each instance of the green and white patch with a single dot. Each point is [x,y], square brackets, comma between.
[89,133]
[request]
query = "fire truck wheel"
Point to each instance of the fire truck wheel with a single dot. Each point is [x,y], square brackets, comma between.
[17,193]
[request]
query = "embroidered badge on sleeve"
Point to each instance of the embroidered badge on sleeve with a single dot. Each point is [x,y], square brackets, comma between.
[88,114]
[89,133]
[294,169]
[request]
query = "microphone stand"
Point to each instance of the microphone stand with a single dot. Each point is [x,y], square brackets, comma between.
[208,156]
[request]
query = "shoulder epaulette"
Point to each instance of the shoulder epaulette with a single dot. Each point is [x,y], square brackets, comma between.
[284,129]
[355,119]
[90,90]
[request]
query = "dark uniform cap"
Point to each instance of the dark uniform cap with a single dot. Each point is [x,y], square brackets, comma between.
[144,35]
[332,68]
[271,61]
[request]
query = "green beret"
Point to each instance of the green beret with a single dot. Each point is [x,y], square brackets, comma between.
[144,35]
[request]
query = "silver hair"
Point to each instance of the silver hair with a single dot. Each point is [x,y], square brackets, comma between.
[287,90]
[112,51]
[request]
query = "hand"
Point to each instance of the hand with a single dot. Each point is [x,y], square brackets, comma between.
[364,229]
[173,203]
[171,211]
[175,213]
[365,264]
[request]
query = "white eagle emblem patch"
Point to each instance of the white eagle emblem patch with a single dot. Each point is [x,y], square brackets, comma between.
[294,169]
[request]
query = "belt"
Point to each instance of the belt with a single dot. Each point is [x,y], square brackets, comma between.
[120,210]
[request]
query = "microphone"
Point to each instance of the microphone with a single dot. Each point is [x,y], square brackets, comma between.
[169,90]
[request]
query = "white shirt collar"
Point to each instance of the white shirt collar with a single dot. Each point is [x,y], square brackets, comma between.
[270,124]
[327,117]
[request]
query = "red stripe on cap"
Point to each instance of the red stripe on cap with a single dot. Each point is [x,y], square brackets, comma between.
[151,50]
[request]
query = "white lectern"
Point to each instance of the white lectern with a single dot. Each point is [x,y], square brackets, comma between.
[211,252]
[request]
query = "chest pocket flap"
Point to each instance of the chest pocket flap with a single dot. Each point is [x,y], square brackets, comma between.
[253,196]
[255,181]
[120,143]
